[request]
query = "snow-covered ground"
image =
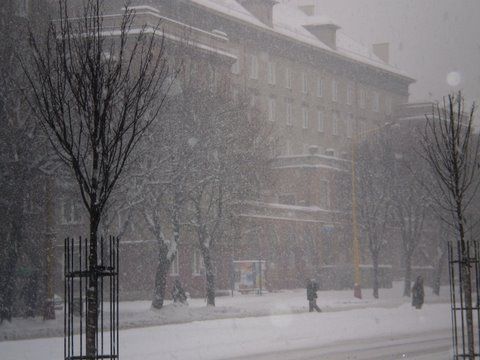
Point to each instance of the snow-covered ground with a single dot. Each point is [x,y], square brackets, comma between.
[245,325]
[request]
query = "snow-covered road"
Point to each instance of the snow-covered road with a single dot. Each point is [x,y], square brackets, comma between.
[435,345]
[249,337]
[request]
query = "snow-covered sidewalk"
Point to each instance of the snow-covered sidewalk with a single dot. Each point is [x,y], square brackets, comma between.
[136,314]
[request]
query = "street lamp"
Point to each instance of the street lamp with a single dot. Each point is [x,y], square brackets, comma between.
[357,289]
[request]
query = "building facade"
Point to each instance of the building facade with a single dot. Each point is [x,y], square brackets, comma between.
[320,90]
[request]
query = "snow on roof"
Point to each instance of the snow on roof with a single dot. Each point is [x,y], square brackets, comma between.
[231,8]
[318,20]
[359,52]
[289,21]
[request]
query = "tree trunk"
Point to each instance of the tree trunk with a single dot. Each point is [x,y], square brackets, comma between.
[375,275]
[6,305]
[92,292]
[467,290]
[437,276]
[408,274]
[209,275]
[161,277]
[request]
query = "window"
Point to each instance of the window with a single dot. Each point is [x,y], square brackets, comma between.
[253,99]
[288,147]
[253,67]
[334,90]
[271,73]
[330,152]
[304,83]
[235,95]
[361,98]
[198,265]
[334,123]
[305,117]
[174,270]
[362,127]
[324,194]
[288,78]
[289,111]
[320,121]
[271,109]
[70,212]
[319,87]
[212,78]
[235,69]
[388,105]
[350,122]
[193,70]
[376,102]
[350,94]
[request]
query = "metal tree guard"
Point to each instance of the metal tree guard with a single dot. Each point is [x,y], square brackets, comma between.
[77,274]
[464,259]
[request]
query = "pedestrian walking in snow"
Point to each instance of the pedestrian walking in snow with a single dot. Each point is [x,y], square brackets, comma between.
[178,294]
[312,288]
[418,293]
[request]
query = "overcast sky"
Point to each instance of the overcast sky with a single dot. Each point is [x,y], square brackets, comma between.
[436,41]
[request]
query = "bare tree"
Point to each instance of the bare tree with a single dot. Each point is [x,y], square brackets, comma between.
[230,160]
[374,175]
[452,151]
[96,91]
[162,183]
[410,204]
[410,199]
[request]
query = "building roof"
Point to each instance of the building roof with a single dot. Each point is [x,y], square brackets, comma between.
[289,21]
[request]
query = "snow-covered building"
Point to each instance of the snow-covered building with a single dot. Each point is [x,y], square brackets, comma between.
[319,88]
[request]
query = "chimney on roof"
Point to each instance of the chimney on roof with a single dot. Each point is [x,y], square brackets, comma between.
[308,9]
[326,33]
[382,51]
[261,9]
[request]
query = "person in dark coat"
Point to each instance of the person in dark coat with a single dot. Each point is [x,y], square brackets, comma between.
[178,294]
[312,288]
[418,293]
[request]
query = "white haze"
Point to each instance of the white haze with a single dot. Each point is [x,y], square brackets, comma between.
[437,42]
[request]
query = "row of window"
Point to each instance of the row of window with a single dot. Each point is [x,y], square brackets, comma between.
[350,99]
[324,196]
[289,150]
[70,212]
[198,267]
[320,118]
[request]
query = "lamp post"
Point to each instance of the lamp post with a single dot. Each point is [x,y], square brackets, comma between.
[357,288]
